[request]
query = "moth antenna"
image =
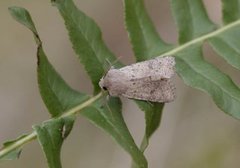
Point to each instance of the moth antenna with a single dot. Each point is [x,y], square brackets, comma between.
[111,64]
[116,60]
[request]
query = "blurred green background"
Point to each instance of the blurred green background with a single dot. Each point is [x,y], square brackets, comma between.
[194,133]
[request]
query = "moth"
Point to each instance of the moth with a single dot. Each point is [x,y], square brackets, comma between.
[149,80]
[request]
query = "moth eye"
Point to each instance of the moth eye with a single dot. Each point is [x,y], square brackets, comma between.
[104,88]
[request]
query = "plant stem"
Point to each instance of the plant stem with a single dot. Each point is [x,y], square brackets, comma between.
[18,144]
[202,38]
[32,136]
[81,106]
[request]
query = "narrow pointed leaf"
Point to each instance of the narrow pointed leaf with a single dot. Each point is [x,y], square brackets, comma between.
[110,119]
[15,153]
[56,94]
[22,16]
[230,10]
[199,74]
[51,135]
[145,40]
[153,113]
[86,39]
[191,19]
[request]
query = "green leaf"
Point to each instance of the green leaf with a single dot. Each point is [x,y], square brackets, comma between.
[86,39]
[110,119]
[144,38]
[146,44]
[196,72]
[56,94]
[22,16]
[14,154]
[227,45]
[153,113]
[191,19]
[50,136]
[194,25]
[230,10]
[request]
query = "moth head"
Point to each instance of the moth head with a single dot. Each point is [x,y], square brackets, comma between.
[102,85]
[107,80]
[113,82]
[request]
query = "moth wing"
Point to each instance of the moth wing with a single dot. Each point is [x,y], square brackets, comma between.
[165,67]
[156,69]
[154,91]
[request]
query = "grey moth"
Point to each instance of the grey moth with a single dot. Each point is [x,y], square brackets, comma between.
[149,80]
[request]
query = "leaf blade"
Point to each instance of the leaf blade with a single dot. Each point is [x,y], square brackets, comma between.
[50,82]
[230,11]
[227,46]
[86,39]
[51,135]
[56,94]
[144,38]
[110,119]
[153,114]
[191,19]
[22,16]
[201,75]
